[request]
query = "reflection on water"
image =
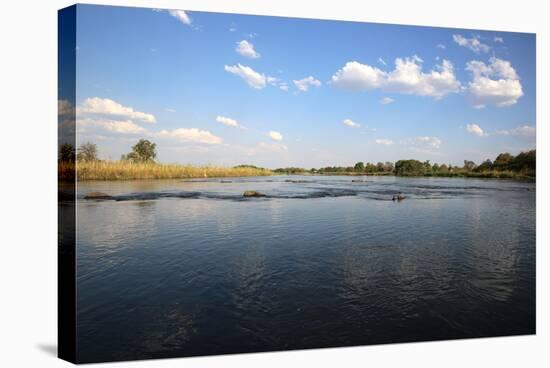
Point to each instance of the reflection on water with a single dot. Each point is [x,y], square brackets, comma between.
[177,275]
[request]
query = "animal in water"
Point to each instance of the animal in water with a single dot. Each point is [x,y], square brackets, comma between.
[398,197]
[358,181]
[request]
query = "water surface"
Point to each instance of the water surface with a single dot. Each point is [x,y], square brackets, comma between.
[190,267]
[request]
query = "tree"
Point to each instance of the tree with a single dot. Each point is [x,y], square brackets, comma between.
[142,151]
[485,166]
[66,153]
[359,166]
[469,165]
[409,167]
[87,152]
[502,161]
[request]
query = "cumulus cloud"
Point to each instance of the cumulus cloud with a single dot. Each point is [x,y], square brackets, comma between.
[475,130]
[524,131]
[304,84]
[382,61]
[105,107]
[181,15]
[384,141]
[190,135]
[495,83]
[227,121]
[276,136]
[406,78]
[351,123]
[249,75]
[386,100]
[498,40]
[473,43]
[246,49]
[357,76]
[114,126]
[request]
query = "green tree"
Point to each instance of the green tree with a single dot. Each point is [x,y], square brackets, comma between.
[87,152]
[66,153]
[143,151]
[359,167]
[409,168]
[502,161]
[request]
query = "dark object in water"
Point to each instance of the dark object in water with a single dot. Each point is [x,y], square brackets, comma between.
[358,181]
[296,181]
[226,181]
[97,195]
[253,193]
[398,197]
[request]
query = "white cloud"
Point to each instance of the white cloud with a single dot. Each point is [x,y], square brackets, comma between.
[114,126]
[473,43]
[246,49]
[475,130]
[276,136]
[495,83]
[107,108]
[441,46]
[425,141]
[304,84]
[249,75]
[190,135]
[227,121]
[283,87]
[384,141]
[357,76]
[351,123]
[386,100]
[406,78]
[181,16]
[382,61]
[498,39]
[524,131]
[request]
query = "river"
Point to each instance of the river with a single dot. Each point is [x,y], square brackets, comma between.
[170,268]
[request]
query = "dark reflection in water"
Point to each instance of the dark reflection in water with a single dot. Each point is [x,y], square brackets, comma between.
[212,273]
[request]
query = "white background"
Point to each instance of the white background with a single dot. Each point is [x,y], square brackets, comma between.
[28,138]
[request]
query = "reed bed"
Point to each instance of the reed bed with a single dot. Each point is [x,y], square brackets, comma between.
[122,170]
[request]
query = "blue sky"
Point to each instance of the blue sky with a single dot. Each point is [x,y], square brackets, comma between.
[228,89]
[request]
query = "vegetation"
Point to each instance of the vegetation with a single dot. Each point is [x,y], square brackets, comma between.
[87,152]
[126,170]
[138,164]
[144,151]
[141,163]
[522,166]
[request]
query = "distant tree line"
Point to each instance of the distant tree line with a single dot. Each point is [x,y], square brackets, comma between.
[505,163]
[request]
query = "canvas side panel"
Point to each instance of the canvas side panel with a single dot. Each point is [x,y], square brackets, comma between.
[66,318]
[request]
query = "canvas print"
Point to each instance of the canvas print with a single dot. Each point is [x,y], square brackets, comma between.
[237,183]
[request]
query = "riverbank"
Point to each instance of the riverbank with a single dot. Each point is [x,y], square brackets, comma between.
[493,174]
[121,170]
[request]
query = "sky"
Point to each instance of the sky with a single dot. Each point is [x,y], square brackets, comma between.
[228,89]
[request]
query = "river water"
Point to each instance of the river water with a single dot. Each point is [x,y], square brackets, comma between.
[170,268]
